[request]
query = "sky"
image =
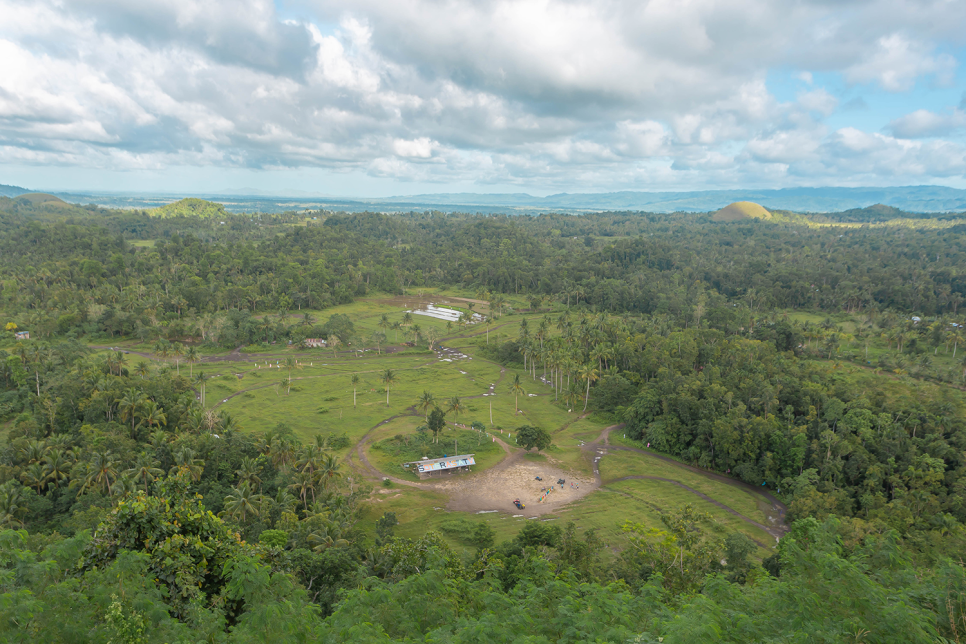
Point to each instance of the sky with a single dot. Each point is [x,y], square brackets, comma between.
[397,97]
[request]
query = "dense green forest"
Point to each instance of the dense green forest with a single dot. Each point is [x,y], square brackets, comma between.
[130,512]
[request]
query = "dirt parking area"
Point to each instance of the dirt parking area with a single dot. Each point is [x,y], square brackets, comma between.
[515,478]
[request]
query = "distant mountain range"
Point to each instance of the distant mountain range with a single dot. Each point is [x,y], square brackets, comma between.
[908,198]
[804,200]
[12,191]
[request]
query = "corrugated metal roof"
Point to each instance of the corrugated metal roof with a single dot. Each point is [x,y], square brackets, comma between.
[446,463]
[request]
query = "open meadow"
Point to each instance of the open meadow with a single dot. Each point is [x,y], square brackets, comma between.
[341,394]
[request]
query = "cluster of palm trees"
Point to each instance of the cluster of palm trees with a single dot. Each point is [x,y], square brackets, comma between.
[314,473]
[51,463]
[427,403]
[584,349]
[899,333]
[164,349]
[140,410]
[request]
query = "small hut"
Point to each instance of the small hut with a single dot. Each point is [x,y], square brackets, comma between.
[429,467]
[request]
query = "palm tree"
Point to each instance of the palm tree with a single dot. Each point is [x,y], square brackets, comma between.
[34,476]
[333,342]
[242,502]
[153,415]
[395,326]
[144,469]
[425,403]
[33,451]
[11,504]
[456,406]
[516,388]
[304,483]
[355,382]
[142,368]
[101,469]
[416,332]
[185,459]
[201,378]
[124,486]
[588,373]
[161,348]
[291,363]
[57,465]
[572,396]
[389,377]
[328,470]
[248,472]
[191,356]
[130,405]
[378,339]
[177,350]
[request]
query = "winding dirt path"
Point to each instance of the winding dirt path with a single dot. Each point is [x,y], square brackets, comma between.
[514,476]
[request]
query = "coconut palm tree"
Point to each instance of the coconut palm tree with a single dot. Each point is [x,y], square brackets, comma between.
[456,406]
[378,339]
[33,451]
[191,356]
[304,483]
[355,382]
[153,415]
[145,470]
[572,396]
[130,406]
[389,377]
[11,504]
[242,503]
[291,363]
[248,473]
[333,342]
[57,465]
[201,379]
[101,469]
[328,470]
[142,368]
[34,476]
[516,388]
[185,459]
[177,350]
[590,374]
[425,403]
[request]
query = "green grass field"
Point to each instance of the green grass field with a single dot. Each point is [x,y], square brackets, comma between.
[256,393]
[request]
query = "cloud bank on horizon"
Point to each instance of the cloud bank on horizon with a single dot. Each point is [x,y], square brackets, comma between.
[550,95]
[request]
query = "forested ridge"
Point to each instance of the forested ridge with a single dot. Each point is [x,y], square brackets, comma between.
[132,513]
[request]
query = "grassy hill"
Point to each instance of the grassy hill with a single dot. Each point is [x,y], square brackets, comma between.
[741,210]
[44,199]
[191,207]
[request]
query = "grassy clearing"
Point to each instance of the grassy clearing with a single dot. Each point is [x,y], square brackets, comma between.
[254,391]
[618,464]
[399,442]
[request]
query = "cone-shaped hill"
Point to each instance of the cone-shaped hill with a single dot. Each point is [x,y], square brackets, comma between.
[44,199]
[741,210]
[191,207]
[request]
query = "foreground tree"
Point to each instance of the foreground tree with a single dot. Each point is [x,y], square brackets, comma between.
[529,437]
